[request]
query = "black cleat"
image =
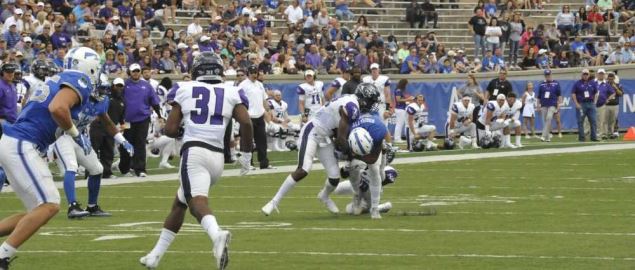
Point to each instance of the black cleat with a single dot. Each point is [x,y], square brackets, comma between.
[96,211]
[4,263]
[75,211]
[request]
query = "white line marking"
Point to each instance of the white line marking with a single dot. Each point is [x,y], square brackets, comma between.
[116,237]
[351,254]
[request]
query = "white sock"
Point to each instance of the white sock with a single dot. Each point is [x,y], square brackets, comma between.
[210,225]
[165,239]
[518,139]
[7,251]
[286,186]
[166,152]
[328,187]
[508,138]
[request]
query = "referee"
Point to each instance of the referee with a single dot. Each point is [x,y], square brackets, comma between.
[257,96]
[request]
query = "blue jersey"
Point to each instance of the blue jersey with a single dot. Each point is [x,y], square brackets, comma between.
[35,123]
[375,127]
[90,112]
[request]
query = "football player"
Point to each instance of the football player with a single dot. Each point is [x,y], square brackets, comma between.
[70,155]
[372,164]
[50,111]
[310,95]
[460,121]
[315,139]
[280,120]
[492,118]
[40,69]
[418,126]
[512,114]
[205,105]
[335,90]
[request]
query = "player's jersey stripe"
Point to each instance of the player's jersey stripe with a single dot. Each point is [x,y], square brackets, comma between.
[359,144]
[28,170]
[305,138]
[59,155]
[185,179]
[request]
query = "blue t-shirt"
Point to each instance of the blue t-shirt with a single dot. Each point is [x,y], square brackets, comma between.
[375,127]
[35,123]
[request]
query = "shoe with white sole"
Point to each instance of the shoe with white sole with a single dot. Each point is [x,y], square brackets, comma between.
[150,261]
[165,165]
[384,207]
[330,204]
[221,249]
[269,207]
[143,175]
[374,213]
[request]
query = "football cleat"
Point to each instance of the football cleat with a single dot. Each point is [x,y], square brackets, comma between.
[384,207]
[221,252]
[165,165]
[4,263]
[150,261]
[269,207]
[96,211]
[374,213]
[75,211]
[330,204]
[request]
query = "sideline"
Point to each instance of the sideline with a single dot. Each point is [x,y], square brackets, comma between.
[397,161]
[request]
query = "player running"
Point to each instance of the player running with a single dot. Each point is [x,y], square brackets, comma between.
[206,106]
[315,139]
[50,111]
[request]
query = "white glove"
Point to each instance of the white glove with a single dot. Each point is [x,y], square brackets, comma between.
[245,163]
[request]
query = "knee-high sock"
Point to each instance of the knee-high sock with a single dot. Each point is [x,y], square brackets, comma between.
[210,226]
[374,185]
[166,152]
[518,137]
[69,186]
[286,186]
[165,239]
[94,183]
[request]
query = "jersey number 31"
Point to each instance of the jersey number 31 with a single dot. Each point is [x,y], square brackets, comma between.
[202,96]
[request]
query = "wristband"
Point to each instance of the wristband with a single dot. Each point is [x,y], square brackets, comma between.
[73,132]
[119,138]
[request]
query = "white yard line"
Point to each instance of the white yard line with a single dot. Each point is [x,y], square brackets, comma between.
[346,254]
[399,160]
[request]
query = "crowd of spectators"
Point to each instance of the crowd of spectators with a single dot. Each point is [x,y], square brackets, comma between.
[326,37]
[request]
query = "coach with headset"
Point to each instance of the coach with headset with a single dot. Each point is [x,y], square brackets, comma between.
[258,111]
[139,99]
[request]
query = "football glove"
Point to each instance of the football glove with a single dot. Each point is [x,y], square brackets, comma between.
[128,147]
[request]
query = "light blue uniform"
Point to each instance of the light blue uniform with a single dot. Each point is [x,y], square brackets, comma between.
[32,133]
[375,127]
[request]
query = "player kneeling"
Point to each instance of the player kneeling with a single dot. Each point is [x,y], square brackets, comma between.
[491,123]
[206,106]
[513,119]
[460,123]
[418,126]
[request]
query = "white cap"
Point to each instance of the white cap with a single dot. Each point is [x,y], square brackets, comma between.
[204,38]
[542,51]
[195,47]
[19,53]
[195,54]
[253,19]
[143,49]
[218,18]
[115,18]
[309,72]
[134,67]
[500,96]
[27,39]
[40,4]
[118,81]
[451,53]
[601,71]
[374,65]
[476,60]
[181,46]
[258,11]
[18,11]
[460,51]
[307,41]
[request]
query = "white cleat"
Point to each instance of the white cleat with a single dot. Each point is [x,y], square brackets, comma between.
[165,165]
[150,261]
[374,213]
[221,246]
[269,207]
[509,145]
[330,204]
[384,207]
[520,145]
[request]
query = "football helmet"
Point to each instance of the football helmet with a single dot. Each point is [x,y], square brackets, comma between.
[448,144]
[367,97]
[419,146]
[291,145]
[208,67]
[40,69]
[84,60]
[390,175]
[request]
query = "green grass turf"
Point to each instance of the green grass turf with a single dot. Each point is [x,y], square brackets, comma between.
[565,211]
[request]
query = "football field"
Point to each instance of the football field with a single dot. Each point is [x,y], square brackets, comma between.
[541,211]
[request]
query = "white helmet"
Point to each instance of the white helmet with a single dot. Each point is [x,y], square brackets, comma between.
[84,60]
[360,141]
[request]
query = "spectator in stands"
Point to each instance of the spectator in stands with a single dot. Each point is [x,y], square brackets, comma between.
[477,27]
[603,50]
[313,58]
[584,94]
[12,36]
[323,18]
[595,17]
[82,13]
[14,20]
[582,23]
[341,10]
[409,65]
[113,26]
[294,12]
[490,9]
[429,14]
[167,64]
[612,16]
[150,19]
[579,52]
[530,51]
[542,60]
[565,21]
[553,37]
[104,15]
[111,67]
[27,22]
[493,33]
[489,62]
[414,14]
[621,55]
[562,60]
